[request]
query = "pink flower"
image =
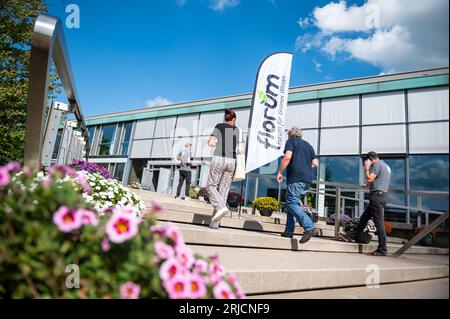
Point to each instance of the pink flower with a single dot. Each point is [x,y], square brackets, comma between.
[223,291]
[121,226]
[177,287]
[13,166]
[156,208]
[46,182]
[4,177]
[197,288]
[83,181]
[105,244]
[67,219]
[200,266]
[130,290]
[232,279]
[184,255]
[173,234]
[88,217]
[170,268]
[163,250]
[158,230]
[216,268]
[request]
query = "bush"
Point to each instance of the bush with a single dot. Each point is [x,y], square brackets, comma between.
[51,236]
[266,203]
[234,199]
[343,219]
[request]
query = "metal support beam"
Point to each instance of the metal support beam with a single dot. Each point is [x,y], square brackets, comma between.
[337,213]
[422,234]
[47,44]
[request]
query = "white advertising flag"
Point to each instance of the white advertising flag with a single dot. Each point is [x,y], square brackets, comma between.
[266,124]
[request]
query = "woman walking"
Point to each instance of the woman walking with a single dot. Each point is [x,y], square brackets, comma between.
[225,138]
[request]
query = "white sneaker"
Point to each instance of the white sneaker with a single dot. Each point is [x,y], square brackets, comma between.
[219,215]
[214,225]
[186,199]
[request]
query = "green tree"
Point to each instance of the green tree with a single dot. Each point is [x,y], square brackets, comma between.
[17,18]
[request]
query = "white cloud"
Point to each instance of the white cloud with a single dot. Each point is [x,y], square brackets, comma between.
[180,3]
[304,22]
[157,101]
[393,35]
[219,5]
[317,66]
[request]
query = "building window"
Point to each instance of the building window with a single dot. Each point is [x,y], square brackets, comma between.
[340,169]
[106,145]
[125,138]
[118,171]
[429,173]
[57,144]
[398,181]
[91,131]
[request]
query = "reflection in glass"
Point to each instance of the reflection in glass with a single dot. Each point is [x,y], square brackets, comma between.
[398,181]
[91,131]
[125,139]
[340,169]
[107,140]
[429,173]
[57,144]
[118,171]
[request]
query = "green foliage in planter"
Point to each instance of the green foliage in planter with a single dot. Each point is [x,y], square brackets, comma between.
[194,192]
[266,203]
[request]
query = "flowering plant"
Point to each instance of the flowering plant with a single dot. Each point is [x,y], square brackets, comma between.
[194,192]
[266,203]
[388,227]
[343,219]
[53,241]
[109,193]
[90,167]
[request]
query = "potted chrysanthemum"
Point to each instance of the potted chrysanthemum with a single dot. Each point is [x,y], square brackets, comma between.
[266,205]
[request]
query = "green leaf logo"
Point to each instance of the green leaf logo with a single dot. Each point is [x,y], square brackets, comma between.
[262,97]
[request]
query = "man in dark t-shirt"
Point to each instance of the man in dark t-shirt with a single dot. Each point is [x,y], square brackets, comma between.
[300,159]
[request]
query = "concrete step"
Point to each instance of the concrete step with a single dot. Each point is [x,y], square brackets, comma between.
[267,271]
[423,289]
[246,222]
[243,223]
[201,235]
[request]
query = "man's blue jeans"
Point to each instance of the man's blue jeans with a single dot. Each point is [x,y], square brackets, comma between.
[294,210]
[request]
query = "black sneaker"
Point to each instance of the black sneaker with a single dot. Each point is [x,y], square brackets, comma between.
[377,253]
[288,235]
[307,236]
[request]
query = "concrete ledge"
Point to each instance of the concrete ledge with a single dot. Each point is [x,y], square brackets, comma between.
[237,238]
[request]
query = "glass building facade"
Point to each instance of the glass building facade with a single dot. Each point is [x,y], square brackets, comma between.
[403,117]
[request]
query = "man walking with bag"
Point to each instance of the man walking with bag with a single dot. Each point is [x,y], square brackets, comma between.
[300,159]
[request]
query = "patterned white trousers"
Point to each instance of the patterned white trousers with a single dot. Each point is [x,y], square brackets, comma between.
[221,173]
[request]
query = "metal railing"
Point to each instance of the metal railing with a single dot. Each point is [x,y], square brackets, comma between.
[48,44]
[336,190]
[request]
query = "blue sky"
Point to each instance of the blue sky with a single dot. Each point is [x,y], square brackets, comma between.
[133,54]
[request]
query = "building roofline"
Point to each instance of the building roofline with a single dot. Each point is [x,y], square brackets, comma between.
[293,91]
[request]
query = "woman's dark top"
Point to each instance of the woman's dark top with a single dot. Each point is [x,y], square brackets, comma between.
[227,139]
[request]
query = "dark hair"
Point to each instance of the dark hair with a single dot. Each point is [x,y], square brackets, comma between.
[372,155]
[229,115]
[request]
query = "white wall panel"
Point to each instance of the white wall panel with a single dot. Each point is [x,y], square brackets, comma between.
[428,104]
[162,148]
[208,121]
[383,108]
[341,141]
[302,115]
[187,125]
[428,138]
[340,111]
[144,129]
[242,117]
[384,139]
[141,149]
[202,149]
[165,126]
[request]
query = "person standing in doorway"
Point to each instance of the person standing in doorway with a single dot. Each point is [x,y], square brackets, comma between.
[378,175]
[300,160]
[184,160]
[225,138]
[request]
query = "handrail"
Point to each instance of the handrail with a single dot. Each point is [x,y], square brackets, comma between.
[48,42]
[357,187]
